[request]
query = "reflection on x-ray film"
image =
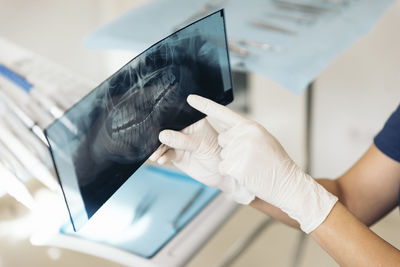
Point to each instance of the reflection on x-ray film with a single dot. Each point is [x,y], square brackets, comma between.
[119,122]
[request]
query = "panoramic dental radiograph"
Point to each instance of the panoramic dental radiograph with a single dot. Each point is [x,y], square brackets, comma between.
[115,127]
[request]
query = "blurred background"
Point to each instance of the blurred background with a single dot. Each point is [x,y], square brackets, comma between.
[326,132]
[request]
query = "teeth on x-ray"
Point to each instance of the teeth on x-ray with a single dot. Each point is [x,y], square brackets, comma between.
[144,98]
[134,114]
[119,122]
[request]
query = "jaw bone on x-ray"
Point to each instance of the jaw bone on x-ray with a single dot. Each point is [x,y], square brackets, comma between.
[103,139]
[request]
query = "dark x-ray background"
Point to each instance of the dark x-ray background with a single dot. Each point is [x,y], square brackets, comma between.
[115,128]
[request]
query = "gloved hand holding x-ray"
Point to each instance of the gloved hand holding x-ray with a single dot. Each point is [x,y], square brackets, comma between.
[254,159]
[197,153]
[102,140]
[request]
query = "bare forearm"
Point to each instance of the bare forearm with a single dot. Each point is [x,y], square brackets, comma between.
[279,215]
[274,212]
[342,235]
[351,243]
[367,192]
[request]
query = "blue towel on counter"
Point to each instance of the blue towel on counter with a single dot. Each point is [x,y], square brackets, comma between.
[147,211]
[302,55]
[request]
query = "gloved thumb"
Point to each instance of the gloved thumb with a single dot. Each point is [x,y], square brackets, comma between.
[234,191]
[178,140]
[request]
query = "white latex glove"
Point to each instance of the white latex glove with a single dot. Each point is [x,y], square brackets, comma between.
[254,158]
[196,152]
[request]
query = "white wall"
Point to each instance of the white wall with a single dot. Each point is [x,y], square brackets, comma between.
[281,112]
[56,30]
[352,99]
[355,95]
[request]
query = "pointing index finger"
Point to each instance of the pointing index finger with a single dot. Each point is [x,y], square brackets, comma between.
[214,110]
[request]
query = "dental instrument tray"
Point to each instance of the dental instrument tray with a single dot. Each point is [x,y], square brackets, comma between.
[103,139]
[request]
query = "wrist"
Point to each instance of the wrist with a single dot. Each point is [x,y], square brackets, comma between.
[299,196]
[309,204]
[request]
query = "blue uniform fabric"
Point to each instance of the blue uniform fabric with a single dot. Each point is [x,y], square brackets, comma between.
[388,139]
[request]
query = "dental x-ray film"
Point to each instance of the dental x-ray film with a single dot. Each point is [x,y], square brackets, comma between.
[104,138]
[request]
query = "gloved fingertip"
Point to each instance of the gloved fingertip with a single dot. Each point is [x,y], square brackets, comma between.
[162,160]
[190,98]
[194,100]
[152,157]
[164,136]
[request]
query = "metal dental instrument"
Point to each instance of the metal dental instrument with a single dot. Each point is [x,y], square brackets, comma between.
[260,45]
[339,2]
[255,44]
[268,26]
[295,19]
[23,133]
[27,158]
[174,223]
[9,159]
[12,177]
[238,50]
[15,187]
[304,7]
[30,89]
[144,205]
[32,126]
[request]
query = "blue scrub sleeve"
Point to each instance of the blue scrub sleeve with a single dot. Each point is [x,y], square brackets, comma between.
[388,139]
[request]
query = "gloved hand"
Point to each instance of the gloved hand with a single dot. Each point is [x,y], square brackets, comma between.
[197,153]
[257,161]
